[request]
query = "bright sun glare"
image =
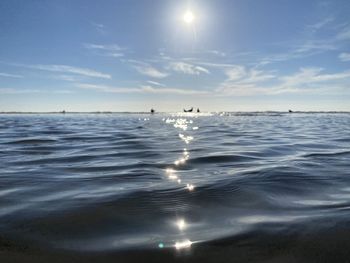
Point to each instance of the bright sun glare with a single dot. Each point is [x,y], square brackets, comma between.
[188,17]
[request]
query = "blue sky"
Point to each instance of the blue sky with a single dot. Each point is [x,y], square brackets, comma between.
[131,55]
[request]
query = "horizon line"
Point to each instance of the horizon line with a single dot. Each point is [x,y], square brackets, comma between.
[164,112]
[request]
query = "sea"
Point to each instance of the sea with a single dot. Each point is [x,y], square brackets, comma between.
[175,187]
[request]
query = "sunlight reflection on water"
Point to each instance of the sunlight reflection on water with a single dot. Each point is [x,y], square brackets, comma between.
[182,124]
[183,244]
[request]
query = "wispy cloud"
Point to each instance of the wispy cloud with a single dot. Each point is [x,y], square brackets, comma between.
[18,91]
[187,68]
[68,69]
[63,91]
[306,80]
[241,81]
[235,72]
[155,83]
[242,90]
[311,43]
[315,46]
[300,51]
[313,80]
[344,34]
[142,89]
[15,91]
[2,74]
[147,69]
[321,24]
[151,72]
[216,64]
[112,50]
[240,74]
[99,27]
[217,53]
[150,89]
[71,78]
[310,76]
[344,57]
[105,88]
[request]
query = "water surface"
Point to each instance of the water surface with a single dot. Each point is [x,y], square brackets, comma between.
[254,187]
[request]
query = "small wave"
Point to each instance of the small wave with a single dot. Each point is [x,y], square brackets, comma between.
[221,159]
[86,138]
[327,154]
[32,141]
[48,161]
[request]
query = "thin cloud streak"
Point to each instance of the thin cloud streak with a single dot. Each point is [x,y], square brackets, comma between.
[142,89]
[18,91]
[13,91]
[217,53]
[8,75]
[344,57]
[151,72]
[150,89]
[321,24]
[187,68]
[344,34]
[69,69]
[99,27]
[112,50]
[70,78]
[108,89]
[155,83]
[146,69]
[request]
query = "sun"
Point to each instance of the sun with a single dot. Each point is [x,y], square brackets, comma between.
[188,17]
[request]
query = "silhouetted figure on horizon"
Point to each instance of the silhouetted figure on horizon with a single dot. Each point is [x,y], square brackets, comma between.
[190,110]
[290,111]
[152,111]
[198,111]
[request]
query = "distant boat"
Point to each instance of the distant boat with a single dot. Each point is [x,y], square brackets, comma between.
[190,110]
[290,111]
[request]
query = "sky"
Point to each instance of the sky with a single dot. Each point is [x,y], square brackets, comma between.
[134,55]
